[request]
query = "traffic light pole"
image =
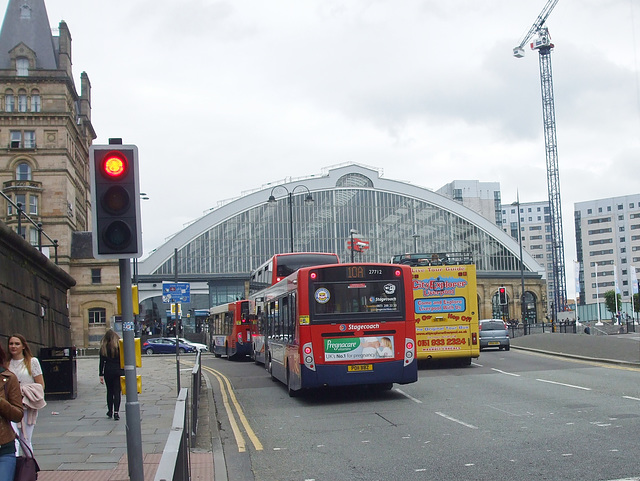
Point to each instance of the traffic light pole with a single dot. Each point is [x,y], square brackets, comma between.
[132,406]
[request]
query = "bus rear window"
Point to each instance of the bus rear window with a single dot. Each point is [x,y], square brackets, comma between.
[366,298]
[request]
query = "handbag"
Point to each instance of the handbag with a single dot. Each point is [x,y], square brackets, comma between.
[26,466]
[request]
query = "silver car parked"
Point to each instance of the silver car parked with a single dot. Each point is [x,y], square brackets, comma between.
[494,333]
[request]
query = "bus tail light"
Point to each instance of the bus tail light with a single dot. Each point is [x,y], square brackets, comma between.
[397,272]
[313,275]
[307,354]
[409,351]
[474,338]
[240,337]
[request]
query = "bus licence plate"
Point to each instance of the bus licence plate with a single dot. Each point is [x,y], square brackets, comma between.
[360,367]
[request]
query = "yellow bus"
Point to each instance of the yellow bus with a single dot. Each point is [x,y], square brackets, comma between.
[445,304]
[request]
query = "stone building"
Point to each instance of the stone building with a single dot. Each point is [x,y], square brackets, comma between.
[45,124]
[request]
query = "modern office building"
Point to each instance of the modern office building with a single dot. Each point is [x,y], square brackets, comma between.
[393,217]
[608,246]
[481,197]
[535,234]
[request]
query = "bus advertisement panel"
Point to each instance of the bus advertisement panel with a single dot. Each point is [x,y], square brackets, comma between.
[231,325]
[446,310]
[348,324]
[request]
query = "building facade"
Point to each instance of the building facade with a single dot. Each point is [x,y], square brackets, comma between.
[535,235]
[608,246]
[393,217]
[45,126]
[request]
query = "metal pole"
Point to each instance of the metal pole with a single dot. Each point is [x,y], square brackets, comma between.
[524,321]
[291,218]
[175,278]
[133,428]
[351,233]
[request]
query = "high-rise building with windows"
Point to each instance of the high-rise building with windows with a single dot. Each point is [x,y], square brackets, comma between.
[608,246]
[481,197]
[535,235]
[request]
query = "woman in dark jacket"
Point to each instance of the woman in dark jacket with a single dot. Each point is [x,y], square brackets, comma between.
[10,410]
[110,371]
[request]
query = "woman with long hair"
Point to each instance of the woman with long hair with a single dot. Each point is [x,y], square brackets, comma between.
[110,371]
[11,410]
[29,373]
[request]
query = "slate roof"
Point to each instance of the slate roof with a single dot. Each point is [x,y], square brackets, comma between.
[26,21]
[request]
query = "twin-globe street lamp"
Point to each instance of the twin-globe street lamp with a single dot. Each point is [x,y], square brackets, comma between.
[307,200]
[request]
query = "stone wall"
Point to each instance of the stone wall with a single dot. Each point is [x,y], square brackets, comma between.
[33,295]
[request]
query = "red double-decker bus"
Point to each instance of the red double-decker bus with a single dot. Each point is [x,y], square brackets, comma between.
[280,266]
[338,325]
[231,325]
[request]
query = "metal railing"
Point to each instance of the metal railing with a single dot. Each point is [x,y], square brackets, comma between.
[37,225]
[196,383]
[176,460]
[174,463]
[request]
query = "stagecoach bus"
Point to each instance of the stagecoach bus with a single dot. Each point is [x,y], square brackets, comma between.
[446,305]
[338,325]
[280,266]
[231,327]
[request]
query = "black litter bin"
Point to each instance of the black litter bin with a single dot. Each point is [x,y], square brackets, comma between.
[60,372]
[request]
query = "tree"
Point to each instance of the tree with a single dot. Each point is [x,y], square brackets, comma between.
[636,303]
[610,301]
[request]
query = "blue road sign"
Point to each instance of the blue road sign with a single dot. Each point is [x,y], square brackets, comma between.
[176,292]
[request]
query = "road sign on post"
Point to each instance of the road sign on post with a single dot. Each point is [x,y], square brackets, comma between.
[176,292]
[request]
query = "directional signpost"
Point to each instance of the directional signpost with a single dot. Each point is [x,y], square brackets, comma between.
[176,292]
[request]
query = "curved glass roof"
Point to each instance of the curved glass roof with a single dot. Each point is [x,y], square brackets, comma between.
[391,216]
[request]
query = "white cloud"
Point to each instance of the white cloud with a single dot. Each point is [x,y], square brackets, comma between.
[224,96]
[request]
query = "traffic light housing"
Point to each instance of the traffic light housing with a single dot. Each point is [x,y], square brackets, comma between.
[502,294]
[115,201]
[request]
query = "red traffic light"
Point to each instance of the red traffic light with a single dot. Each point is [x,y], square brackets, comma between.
[114,165]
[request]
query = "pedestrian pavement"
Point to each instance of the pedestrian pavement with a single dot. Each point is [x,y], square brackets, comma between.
[617,348]
[74,440]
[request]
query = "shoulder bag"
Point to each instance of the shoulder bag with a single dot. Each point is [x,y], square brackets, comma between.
[26,466]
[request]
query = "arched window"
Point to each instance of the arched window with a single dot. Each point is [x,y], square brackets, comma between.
[36,104]
[22,100]
[22,67]
[23,171]
[9,105]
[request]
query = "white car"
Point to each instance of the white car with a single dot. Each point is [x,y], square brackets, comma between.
[200,347]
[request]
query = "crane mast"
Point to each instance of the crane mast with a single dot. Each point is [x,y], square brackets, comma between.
[542,43]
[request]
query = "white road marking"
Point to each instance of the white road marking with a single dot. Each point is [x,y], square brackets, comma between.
[632,398]
[470,426]
[563,384]
[408,397]
[504,372]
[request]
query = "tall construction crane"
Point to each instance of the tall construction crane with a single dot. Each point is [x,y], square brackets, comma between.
[541,41]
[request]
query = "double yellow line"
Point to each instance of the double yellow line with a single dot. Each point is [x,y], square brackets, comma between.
[225,387]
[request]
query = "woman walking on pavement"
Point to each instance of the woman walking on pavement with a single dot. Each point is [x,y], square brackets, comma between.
[11,410]
[29,373]
[110,371]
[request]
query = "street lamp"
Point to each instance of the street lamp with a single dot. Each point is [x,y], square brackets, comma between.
[522,297]
[307,200]
[415,243]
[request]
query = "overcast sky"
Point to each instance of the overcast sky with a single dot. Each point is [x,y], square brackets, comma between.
[224,96]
